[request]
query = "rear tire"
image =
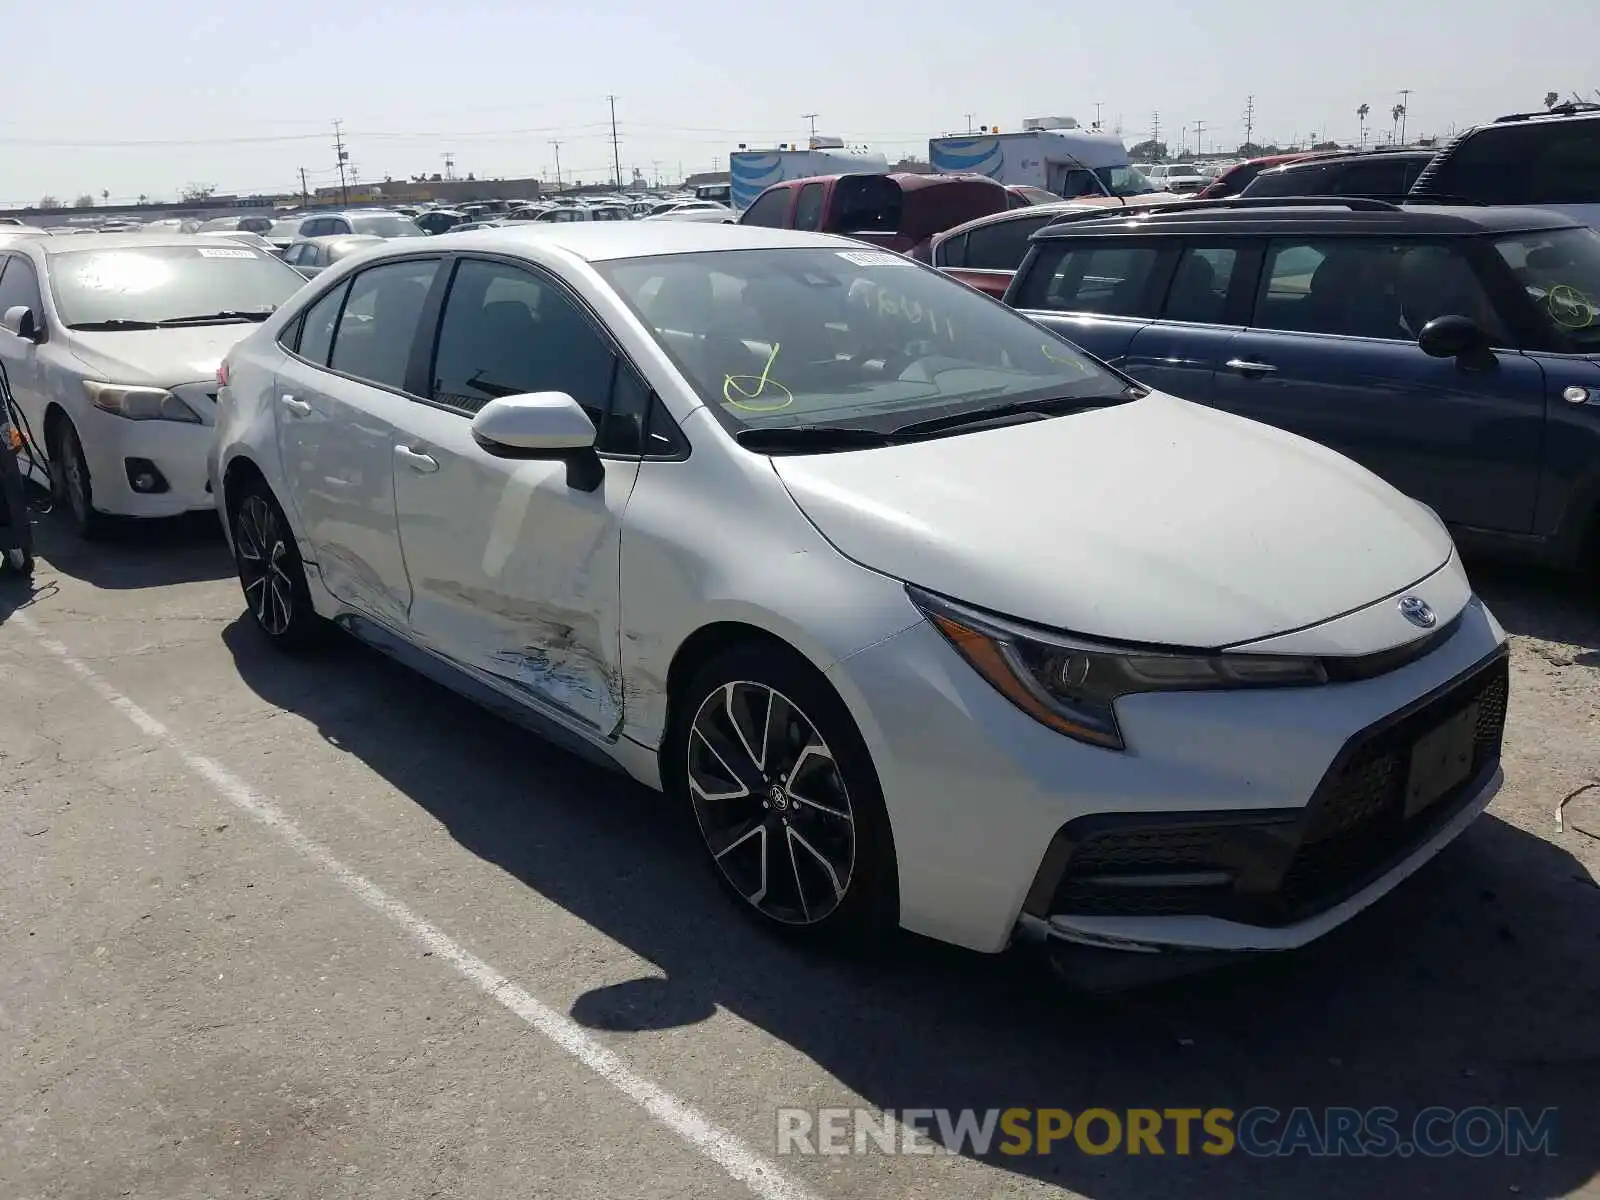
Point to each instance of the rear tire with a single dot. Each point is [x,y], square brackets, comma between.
[271,572]
[786,798]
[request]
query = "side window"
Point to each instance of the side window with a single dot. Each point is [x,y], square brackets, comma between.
[507,331]
[627,420]
[952,252]
[1380,177]
[808,207]
[1199,290]
[1556,162]
[1298,181]
[1369,287]
[1002,245]
[19,285]
[316,332]
[379,322]
[769,210]
[1093,278]
[313,228]
[338,225]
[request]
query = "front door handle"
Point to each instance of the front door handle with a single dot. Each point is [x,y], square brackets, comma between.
[423,464]
[298,407]
[1247,366]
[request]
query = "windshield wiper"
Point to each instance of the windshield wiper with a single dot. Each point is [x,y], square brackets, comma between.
[777,439]
[1050,408]
[227,314]
[115,323]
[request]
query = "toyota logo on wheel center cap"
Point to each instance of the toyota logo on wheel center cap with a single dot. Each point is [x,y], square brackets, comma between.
[1419,612]
[778,797]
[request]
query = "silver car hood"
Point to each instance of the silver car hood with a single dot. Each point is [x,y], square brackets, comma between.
[157,357]
[1157,521]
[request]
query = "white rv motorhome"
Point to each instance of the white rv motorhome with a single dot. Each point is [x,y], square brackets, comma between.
[754,171]
[1051,153]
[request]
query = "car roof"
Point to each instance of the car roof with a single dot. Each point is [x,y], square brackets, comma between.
[1014,214]
[124,241]
[598,241]
[1311,214]
[1338,156]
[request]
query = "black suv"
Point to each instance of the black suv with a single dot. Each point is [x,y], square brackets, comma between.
[1377,174]
[1549,158]
[1453,351]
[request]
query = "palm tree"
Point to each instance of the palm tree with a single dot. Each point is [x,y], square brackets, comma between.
[1397,112]
[105,195]
[1361,116]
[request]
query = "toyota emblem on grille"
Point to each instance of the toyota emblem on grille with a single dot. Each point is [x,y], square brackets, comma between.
[1419,612]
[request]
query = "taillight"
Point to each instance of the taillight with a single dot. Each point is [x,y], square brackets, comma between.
[222,373]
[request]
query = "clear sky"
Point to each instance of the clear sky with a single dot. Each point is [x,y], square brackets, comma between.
[150,95]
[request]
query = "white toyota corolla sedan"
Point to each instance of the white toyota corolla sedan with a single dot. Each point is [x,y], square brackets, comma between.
[934,621]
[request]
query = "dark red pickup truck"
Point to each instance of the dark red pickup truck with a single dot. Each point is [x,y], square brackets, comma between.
[896,211]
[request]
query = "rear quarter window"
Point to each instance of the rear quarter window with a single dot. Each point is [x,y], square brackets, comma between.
[1093,276]
[1535,162]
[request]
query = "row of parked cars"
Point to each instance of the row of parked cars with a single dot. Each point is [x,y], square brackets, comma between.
[932,617]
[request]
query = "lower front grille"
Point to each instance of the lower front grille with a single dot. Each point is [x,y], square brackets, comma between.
[1281,866]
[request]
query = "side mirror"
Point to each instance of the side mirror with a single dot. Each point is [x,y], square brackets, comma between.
[20,321]
[541,425]
[1456,337]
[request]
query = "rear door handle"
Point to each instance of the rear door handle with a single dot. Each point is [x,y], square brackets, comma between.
[1247,366]
[423,464]
[298,407]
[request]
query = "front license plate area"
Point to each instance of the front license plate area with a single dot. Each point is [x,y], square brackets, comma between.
[1441,761]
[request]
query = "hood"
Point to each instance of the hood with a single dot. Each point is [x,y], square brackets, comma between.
[1157,521]
[158,357]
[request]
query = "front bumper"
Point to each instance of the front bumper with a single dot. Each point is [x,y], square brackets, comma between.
[177,451]
[982,798]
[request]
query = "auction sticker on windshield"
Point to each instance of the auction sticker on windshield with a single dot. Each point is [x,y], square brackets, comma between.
[874,258]
[209,252]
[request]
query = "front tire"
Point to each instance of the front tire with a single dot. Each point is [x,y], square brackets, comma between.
[69,478]
[786,798]
[271,572]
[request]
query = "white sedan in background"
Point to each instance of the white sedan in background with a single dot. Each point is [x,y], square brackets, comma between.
[111,344]
[931,619]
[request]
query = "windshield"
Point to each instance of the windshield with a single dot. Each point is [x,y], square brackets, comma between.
[1125,181]
[1560,270]
[165,283]
[386,226]
[772,338]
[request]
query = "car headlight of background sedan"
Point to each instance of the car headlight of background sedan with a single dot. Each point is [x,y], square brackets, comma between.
[1072,685]
[139,403]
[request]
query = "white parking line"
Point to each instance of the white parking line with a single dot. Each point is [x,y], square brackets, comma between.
[740,1160]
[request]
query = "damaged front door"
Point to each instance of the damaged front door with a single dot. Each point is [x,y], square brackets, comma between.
[515,573]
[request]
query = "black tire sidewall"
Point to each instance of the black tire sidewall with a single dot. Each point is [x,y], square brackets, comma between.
[870,911]
[88,524]
[306,629]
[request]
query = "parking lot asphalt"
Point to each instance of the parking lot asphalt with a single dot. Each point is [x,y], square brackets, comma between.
[284,928]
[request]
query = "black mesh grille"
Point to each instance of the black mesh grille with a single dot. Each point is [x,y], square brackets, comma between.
[1283,867]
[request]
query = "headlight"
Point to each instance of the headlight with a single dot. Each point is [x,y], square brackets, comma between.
[139,403]
[1072,685]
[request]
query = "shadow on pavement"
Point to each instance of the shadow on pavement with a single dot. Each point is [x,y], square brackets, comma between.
[1544,604]
[137,554]
[1478,983]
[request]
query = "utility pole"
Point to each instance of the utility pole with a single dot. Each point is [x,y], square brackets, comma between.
[969,123]
[812,117]
[557,144]
[1249,119]
[344,157]
[1098,105]
[1405,105]
[655,170]
[305,192]
[1155,133]
[449,165]
[1199,130]
[616,154]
